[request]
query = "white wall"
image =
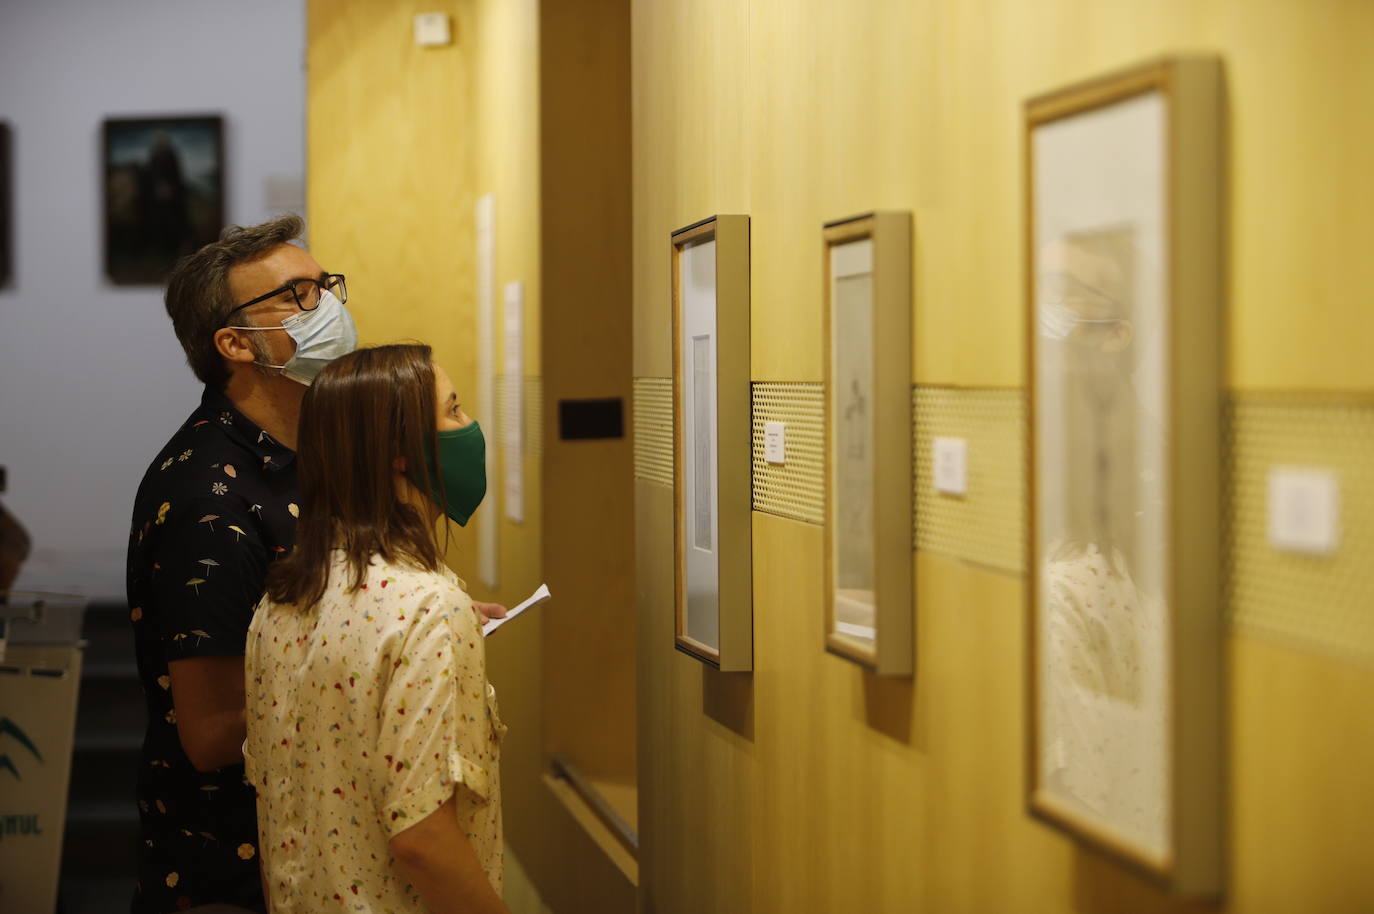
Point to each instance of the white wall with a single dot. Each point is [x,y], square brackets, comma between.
[92,380]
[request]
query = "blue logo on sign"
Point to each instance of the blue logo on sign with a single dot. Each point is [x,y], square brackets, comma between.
[10,728]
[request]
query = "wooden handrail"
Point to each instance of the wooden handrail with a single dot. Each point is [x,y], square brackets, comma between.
[564,770]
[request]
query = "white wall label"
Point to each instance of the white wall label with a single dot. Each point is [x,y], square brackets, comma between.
[488,560]
[432,30]
[775,442]
[1304,510]
[951,465]
[513,415]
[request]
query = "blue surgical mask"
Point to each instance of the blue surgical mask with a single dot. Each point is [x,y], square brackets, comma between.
[322,334]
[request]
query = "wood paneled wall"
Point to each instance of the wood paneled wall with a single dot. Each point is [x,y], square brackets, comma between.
[589,643]
[402,142]
[812,786]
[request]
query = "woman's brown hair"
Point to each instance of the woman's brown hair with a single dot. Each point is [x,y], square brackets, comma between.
[364,410]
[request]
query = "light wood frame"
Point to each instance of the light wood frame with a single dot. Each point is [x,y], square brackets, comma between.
[1191,90]
[734,454]
[892,650]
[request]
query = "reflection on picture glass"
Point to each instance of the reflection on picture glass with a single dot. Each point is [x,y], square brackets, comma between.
[853,429]
[701,428]
[1103,601]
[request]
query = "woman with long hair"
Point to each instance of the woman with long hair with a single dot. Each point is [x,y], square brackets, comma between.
[373,734]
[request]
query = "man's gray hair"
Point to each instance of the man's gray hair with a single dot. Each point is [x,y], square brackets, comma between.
[198,298]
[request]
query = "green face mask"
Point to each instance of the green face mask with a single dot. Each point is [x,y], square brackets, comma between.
[463,466]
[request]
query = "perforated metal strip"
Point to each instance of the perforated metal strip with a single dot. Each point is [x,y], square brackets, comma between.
[532,420]
[1320,603]
[653,421]
[987,525]
[795,488]
[534,416]
[1314,603]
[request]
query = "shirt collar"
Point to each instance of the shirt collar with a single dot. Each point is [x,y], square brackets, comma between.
[217,408]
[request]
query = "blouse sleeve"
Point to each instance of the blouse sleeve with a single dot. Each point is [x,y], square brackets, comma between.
[428,704]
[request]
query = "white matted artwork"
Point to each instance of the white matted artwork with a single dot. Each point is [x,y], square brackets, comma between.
[712,451]
[851,377]
[1123,269]
[513,411]
[488,527]
[701,622]
[868,442]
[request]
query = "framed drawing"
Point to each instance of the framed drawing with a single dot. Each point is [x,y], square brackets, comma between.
[712,443]
[6,207]
[164,193]
[867,334]
[1123,262]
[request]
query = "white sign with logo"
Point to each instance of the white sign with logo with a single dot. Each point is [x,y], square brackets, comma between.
[38,691]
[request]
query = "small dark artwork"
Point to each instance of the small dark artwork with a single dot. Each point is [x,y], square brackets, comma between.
[164,193]
[6,207]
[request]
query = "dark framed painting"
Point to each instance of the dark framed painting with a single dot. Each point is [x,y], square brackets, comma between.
[6,207]
[164,193]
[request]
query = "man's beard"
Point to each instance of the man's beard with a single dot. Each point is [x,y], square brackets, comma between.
[261,358]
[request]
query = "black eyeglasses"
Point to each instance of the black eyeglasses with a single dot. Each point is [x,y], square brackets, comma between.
[305,292]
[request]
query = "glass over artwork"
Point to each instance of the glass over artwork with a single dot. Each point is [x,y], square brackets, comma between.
[852,448]
[698,389]
[1101,469]
[164,193]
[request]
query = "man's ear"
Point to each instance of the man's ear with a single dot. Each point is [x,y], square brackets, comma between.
[233,345]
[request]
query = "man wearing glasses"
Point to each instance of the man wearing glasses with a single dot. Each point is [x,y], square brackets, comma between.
[258,319]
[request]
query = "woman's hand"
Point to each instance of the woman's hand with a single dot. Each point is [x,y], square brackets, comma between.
[490,610]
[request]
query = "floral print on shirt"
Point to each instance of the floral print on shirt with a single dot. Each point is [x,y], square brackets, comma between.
[215,508]
[365,714]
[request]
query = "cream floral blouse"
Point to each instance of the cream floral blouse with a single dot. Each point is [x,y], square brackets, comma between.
[365,714]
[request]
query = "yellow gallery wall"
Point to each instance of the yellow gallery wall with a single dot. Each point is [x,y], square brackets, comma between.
[402,142]
[810,785]
[589,664]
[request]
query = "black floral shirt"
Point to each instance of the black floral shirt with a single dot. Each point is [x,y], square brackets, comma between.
[215,509]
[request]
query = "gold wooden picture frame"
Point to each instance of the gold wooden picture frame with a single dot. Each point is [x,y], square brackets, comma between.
[868,454]
[712,444]
[1123,268]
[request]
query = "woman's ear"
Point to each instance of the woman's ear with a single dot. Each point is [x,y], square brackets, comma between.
[399,464]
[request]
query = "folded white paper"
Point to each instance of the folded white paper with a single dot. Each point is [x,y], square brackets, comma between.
[539,596]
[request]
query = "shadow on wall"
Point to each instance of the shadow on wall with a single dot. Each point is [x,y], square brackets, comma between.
[887,705]
[728,699]
[1100,884]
